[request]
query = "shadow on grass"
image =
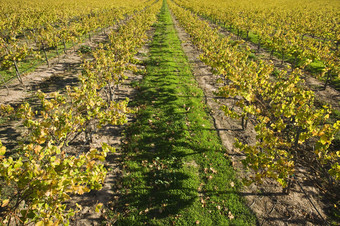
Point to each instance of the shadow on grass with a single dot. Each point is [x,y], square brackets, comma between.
[155,184]
[170,146]
[157,141]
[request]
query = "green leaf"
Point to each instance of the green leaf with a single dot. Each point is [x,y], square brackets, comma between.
[108,148]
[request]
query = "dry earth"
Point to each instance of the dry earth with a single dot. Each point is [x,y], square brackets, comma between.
[267,201]
[111,135]
[64,72]
[271,206]
[328,95]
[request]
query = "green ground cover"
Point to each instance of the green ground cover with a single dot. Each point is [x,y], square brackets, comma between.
[175,167]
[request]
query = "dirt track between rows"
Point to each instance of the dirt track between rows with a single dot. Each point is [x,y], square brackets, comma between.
[267,201]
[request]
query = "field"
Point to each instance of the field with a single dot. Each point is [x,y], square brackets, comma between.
[173,112]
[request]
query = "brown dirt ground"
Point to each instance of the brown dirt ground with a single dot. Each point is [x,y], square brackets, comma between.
[112,136]
[267,201]
[328,95]
[271,206]
[62,72]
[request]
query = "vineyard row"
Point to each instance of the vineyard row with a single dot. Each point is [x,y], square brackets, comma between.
[43,173]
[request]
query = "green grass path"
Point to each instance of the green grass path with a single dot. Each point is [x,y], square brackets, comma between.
[175,169]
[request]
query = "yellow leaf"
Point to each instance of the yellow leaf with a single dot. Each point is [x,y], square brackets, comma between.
[98,207]
[41,140]
[37,149]
[5,202]
[2,150]
[40,223]
[79,206]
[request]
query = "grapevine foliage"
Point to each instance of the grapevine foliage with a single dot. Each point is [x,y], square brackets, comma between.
[42,176]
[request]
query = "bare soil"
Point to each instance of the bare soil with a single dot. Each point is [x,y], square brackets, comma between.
[61,73]
[271,206]
[329,95]
[111,135]
[64,72]
[267,201]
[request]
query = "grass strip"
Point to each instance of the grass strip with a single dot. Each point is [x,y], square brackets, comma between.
[175,167]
